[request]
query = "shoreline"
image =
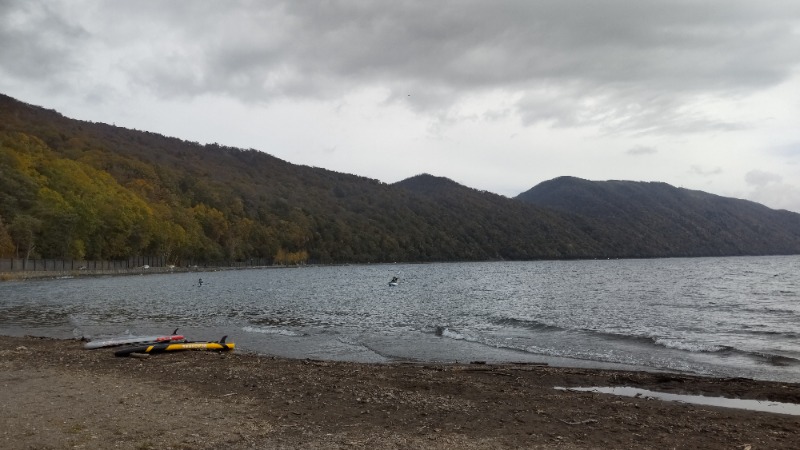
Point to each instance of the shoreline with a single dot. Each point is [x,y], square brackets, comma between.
[757,364]
[58,395]
[66,274]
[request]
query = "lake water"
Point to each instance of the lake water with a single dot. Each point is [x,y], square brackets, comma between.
[730,317]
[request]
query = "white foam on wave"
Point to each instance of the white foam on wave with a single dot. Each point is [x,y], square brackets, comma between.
[448,333]
[694,347]
[271,330]
[443,331]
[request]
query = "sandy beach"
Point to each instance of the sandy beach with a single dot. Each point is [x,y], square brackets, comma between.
[57,395]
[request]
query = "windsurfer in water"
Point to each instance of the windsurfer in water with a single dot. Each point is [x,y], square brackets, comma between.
[394,280]
[200,282]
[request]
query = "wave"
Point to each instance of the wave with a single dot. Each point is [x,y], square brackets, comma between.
[720,350]
[635,339]
[526,347]
[272,330]
[694,347]
[764,357]
[707,348]
[640,341]
[526,323]
[265,320]
[768,310]
[443,331]
[776,360]
[781,334]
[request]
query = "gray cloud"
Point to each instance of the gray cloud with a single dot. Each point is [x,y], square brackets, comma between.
[789,151]
[37,42]
[706,172]
[641,150]
[622,65]
[760,179]
[770,189]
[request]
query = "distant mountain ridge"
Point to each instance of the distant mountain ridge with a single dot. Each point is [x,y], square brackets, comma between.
[74,189]
[655,217]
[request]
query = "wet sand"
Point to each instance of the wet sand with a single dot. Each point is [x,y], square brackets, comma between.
[57,395]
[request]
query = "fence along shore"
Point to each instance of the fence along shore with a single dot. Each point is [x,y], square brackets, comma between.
[20,268]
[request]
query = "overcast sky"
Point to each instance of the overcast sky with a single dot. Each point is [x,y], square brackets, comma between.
[496,95]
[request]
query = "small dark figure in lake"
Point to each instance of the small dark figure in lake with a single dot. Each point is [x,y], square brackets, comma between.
[200,283]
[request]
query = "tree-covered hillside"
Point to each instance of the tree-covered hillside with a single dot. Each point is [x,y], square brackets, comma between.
[74,189]
[656,219]
[80,190]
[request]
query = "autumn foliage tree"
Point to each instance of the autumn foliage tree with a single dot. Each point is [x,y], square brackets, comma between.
[7,248]
[74,189]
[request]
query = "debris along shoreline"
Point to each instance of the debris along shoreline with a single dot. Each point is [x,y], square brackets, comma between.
[58,395]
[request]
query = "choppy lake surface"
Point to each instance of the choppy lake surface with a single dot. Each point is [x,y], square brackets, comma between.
[731,317]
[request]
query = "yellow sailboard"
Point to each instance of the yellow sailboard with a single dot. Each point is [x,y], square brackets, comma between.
[221,345]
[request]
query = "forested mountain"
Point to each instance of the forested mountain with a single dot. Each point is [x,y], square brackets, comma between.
[656,219]
[496,227]
[75,189]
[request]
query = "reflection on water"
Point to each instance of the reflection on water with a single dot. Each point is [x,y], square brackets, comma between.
[737,403]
